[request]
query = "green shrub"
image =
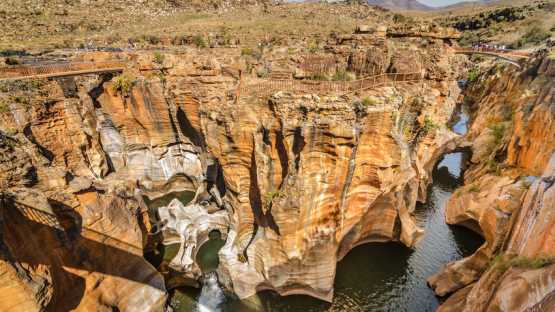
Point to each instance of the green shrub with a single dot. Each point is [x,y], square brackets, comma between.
[12,61]
[399,18]
[262,72]
[473,74]
[20,100]
[474,189]
[247,52]
[498,131]
[270,196]
[151,39]
[503,262]
[241,258]
[199,41]
[525,184]
[320,76]
[158,57]
[161,76]
[123,84]
[428,126]
[367,101]
[494,167]
[313,46]
[4,107]
[469,38]
[533,35]
[342,75]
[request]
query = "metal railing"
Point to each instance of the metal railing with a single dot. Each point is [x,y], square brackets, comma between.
[59,69]
[493,51]
[268,87]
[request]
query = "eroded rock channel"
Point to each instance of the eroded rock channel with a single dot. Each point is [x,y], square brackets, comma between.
[331,193]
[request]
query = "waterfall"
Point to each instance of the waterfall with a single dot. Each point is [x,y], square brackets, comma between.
[211,295]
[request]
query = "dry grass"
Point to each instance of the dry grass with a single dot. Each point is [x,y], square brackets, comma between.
[30,24]
[114,27]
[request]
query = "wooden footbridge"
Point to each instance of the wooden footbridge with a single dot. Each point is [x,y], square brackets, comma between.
[60,69]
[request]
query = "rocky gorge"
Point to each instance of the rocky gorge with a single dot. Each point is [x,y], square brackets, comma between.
[292,181]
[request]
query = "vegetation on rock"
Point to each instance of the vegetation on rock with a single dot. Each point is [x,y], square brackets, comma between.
[502,262]
[123,84]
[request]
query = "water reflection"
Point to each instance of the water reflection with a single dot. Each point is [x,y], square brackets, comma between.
[461,124]
[161,255]
[153,204]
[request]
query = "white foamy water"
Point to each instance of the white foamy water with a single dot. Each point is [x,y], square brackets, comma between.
[211,295]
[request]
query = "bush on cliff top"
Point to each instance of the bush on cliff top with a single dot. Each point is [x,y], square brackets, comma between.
[473,74]
[158,57]
[4,107]
[534,35]
[199,41]
[498,132]
[270,196]
[123,84]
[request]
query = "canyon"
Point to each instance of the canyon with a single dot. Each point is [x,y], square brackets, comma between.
[292,155]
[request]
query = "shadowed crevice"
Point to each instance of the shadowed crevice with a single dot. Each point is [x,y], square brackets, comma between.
[28,132]
[187,128]
[298,145]
[54,240]
[282,154]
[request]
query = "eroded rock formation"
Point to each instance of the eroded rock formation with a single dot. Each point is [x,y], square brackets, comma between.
[507,196]
[295,180]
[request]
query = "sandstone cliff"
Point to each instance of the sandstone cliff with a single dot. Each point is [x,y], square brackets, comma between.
[507,195]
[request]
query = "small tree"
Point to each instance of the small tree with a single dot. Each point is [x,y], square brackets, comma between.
[123,84]
[199,41]
[158,58]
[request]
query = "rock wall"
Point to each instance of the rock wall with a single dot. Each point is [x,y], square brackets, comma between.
[308,178]
[507,194]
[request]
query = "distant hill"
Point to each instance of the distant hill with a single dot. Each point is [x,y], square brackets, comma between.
[470,4]
[401,5]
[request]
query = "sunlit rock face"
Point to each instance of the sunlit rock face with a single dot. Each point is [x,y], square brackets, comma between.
[525,287]
[87,154]
[507,196]
[139,134]
[309,178]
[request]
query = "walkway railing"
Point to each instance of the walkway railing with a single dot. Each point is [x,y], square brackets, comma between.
[267,87]
[493,51]
[60,69]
